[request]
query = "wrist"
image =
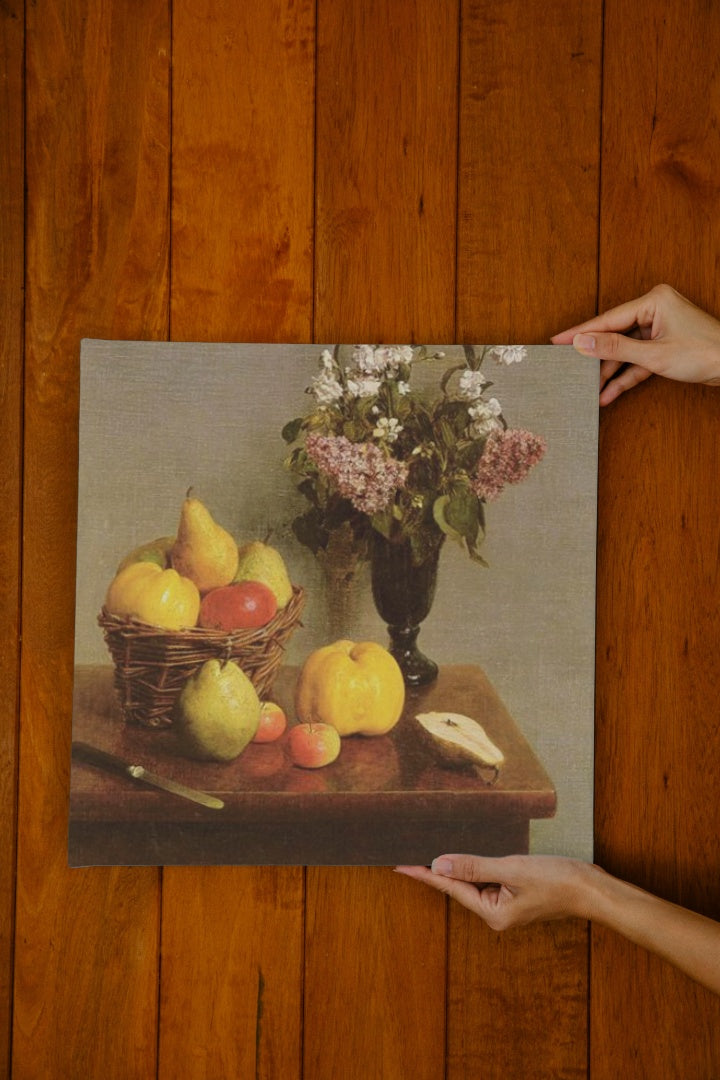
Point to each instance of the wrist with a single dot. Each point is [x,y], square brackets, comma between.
[596,893]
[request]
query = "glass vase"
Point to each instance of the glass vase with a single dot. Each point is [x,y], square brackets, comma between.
[403,592]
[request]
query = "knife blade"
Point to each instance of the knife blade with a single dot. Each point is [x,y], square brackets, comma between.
[101,759]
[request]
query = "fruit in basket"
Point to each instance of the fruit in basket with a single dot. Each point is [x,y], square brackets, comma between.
[217,713]
[313,745]
[155,551]
[144,591]
[241,606]
[358,688]
[260,562]
[273,722]
[203,551]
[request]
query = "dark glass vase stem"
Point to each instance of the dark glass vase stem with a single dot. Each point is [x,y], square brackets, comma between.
[403,593]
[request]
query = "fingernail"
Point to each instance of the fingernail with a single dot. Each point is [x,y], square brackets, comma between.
[584,341]
[441,866]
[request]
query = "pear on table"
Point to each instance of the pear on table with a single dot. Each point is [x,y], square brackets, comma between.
[203,551]
[460,740]
[217,713]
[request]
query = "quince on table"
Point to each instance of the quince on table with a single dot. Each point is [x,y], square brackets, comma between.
[160,597]
[357,687]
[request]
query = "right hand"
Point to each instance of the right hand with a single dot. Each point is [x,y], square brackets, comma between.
[660,333]
[515,889]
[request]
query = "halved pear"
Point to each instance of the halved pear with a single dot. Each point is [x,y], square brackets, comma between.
[459,740]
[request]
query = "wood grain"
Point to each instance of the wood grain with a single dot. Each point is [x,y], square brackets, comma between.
[658,793]
[12,211]
[528,198]
[528,180]
[243,82]
[385,264]
[242,226]
[407,232]
[97,179]
[386,171]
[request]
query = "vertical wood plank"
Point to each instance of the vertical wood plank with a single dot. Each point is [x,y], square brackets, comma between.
[242,225]
[97,232]
[385,270]
[12,19]
[529,148]
[243,85]
[527,251]
[658,787]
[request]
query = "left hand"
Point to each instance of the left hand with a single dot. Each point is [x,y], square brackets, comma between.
[514,890]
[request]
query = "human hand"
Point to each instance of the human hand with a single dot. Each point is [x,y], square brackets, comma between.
[660,333]
[513,890]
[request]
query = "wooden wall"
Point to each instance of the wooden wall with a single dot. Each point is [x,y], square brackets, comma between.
[400,170]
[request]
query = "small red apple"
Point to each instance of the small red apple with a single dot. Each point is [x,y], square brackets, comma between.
[313,745]
[272,722]
[241,606]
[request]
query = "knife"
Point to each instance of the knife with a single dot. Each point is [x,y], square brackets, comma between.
[91,755]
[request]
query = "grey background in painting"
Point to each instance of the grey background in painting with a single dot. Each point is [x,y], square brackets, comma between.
[157,418]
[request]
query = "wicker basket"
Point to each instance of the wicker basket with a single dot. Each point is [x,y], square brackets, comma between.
[152,664]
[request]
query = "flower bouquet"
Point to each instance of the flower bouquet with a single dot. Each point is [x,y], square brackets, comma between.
[401,468]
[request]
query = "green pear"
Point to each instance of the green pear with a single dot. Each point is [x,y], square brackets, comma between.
[157,551]
[260,562]
[203,551]
[217,713]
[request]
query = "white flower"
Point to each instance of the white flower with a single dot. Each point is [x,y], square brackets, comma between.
[326,360]
[379,360]
[471,385]
[388,429]
[481,410]
[326,388]
[508,354]
[403,387]
[485,417]
[365,387]
[393,356]
[363,360]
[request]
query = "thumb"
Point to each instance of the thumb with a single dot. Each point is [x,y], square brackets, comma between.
[467,868]
[620,349]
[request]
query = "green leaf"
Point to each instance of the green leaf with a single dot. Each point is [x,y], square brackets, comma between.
[463,514]
[292,429]
[308,488]
[477,557]
[383,523]
[355,430]
[310,531]
[440,518]
[449,374]
[338,511]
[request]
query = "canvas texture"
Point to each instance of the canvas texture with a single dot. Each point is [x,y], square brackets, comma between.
[157,419]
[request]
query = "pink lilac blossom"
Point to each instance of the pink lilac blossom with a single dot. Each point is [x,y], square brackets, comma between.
[507,459]
[361,471]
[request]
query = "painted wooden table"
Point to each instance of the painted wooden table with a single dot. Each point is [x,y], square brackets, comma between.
[387,799]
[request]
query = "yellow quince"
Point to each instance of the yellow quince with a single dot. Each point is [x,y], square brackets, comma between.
[355,686]
[160,597]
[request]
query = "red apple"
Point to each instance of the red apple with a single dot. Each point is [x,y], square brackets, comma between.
[272,722]
[240,606]
[313,745]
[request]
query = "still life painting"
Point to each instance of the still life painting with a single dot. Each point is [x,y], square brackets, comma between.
[334,603]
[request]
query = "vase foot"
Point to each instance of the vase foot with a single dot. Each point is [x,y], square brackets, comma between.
[417,669]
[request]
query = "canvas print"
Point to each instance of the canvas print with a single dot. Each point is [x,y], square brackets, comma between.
[335,603]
